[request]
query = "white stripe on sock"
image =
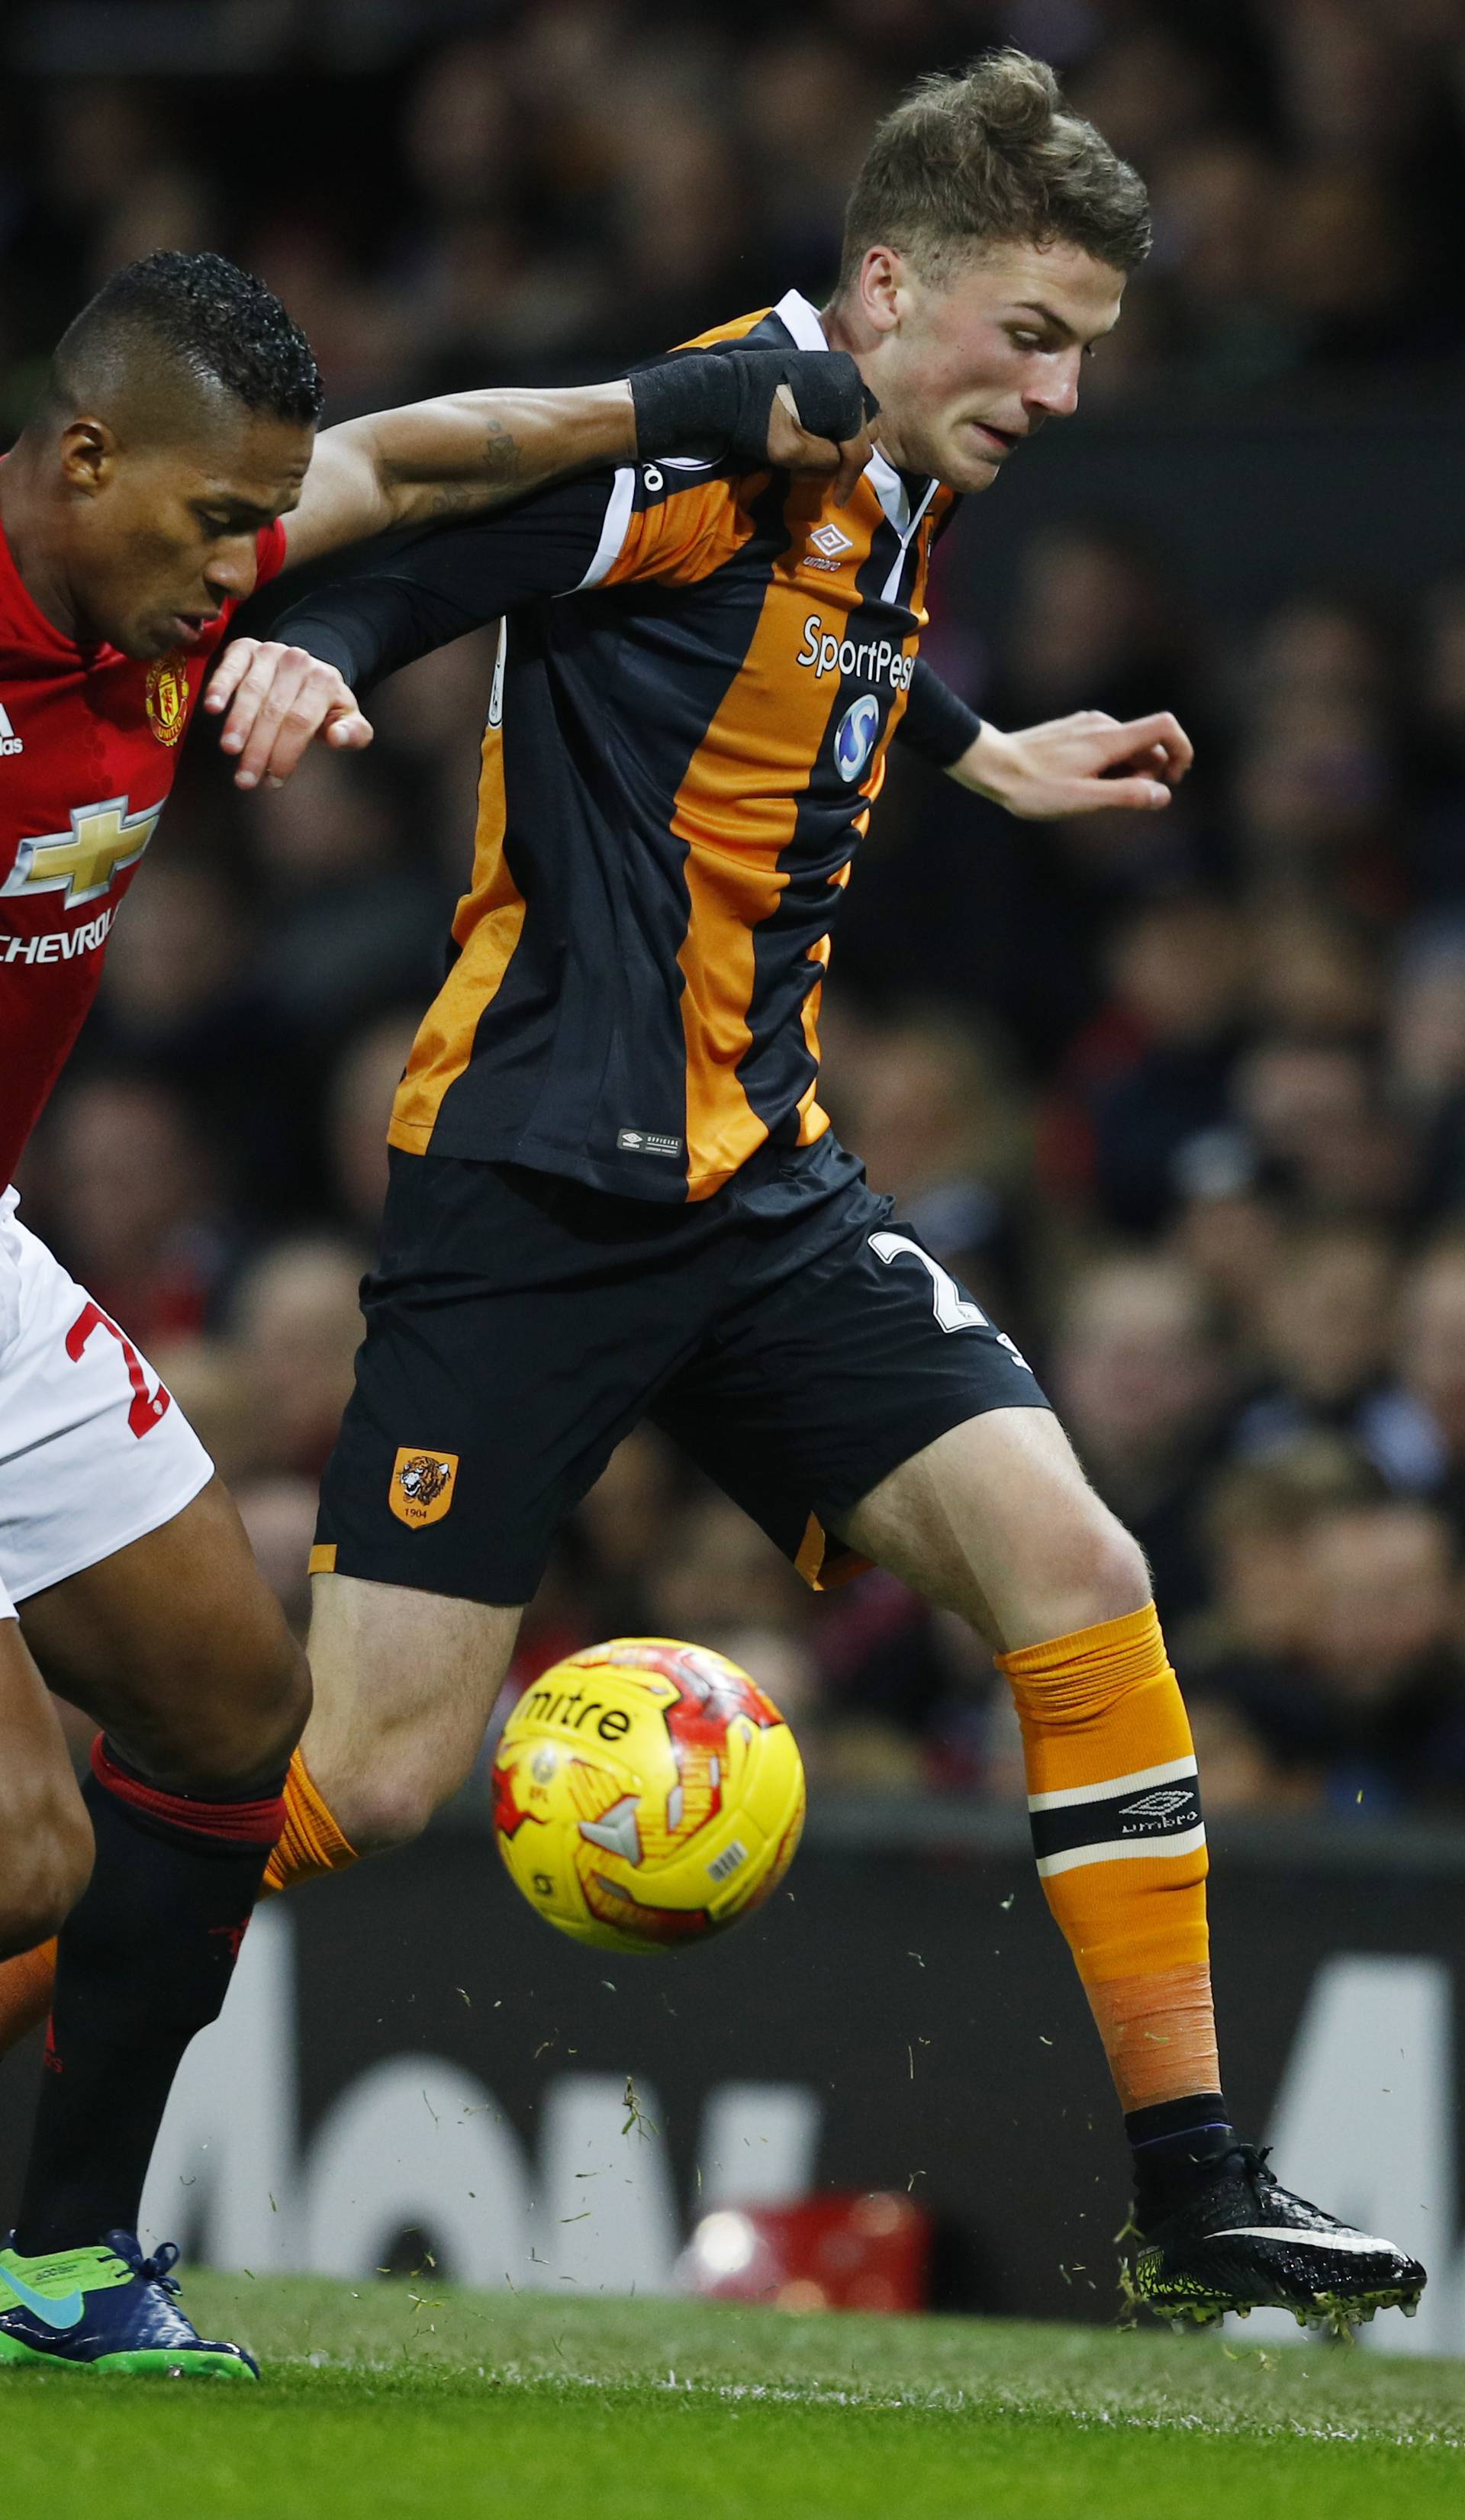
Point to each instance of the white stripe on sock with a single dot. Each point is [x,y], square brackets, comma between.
[1121,1850]
[1166,1774]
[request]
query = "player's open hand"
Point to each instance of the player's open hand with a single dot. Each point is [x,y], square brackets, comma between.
[279,701]
[1089,763]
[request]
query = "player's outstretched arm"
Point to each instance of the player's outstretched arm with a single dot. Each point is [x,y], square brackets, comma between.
[1085,764]
[460,454]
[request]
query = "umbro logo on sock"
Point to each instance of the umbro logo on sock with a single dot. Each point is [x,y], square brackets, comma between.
[10,741]
[1155,1807]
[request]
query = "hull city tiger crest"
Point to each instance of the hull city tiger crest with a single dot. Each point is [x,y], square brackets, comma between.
[421,1486]
[166,699]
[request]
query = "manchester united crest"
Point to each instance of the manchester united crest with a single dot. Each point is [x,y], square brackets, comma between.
[421,1486]
[166,698]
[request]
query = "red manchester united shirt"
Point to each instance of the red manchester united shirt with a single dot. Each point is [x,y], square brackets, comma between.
[89,742]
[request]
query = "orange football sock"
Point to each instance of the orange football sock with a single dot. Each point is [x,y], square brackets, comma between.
[25,1984]
[1115,1811]
[310,1841]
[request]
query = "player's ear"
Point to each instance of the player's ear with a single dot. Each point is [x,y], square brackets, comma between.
[877,284]
[89,454]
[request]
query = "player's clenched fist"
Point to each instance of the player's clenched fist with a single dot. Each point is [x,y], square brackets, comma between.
[279,699]
[752,404]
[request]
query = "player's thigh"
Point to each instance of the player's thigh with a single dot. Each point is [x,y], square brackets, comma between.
[405,1683]
[995,1520]
[876,1413]
[93,1452]
[45,1836]
[135,1583]
[176,1645]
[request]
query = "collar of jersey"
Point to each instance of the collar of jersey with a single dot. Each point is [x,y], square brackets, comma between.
[801,320]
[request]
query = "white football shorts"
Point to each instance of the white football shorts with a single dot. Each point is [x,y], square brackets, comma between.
[93,1450]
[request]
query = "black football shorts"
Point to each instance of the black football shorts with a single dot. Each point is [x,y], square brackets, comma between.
[795,1341]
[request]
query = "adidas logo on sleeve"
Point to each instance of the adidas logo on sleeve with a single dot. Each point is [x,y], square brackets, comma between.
[10,741]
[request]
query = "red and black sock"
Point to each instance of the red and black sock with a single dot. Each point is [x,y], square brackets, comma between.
[144,1960]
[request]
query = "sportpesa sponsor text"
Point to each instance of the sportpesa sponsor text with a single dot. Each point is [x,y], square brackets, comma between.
[879,660]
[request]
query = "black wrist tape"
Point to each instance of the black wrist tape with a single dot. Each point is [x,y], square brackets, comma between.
[718,403]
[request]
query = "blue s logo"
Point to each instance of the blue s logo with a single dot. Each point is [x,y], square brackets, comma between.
[855,736]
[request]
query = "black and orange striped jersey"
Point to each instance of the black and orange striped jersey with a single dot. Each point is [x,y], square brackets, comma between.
[698,679]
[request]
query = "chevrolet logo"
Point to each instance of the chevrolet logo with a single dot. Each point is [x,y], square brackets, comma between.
[82,862]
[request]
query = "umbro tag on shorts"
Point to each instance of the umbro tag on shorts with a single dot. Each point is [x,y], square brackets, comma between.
[94,1452]
[791,1335]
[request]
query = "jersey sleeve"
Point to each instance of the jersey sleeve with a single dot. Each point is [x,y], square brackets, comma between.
[934,722]
[401,604]
[670,522]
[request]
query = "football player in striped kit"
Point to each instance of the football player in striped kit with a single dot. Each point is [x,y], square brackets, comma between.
[614,1193]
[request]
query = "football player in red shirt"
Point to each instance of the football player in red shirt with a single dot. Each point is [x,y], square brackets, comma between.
[169,468]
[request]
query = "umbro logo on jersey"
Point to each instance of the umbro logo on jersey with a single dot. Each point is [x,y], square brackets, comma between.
[830,548]
[10,741]
[1158,1806]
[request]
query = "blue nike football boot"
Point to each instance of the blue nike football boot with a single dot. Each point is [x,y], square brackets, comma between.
[107,2309]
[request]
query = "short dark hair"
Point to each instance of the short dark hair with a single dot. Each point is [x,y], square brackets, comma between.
[993,155]
[215,321]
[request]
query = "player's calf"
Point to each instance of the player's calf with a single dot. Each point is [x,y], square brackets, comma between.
[45,1838]
[177,1647]
[995,1520]
[405,1683]
[174,1644]
[47,1862]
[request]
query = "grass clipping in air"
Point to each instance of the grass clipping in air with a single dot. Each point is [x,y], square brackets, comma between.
[419,2399]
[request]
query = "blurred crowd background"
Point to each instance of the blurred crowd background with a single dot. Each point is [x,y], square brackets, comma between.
[1183,1100]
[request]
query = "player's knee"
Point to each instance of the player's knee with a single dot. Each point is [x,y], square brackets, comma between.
[1093,1570]
[381,1811]
[48,1864]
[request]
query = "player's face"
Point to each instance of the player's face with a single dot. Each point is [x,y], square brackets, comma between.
[965,369]
[165,535]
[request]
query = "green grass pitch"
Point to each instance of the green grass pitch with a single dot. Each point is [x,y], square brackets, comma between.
[417,2399]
